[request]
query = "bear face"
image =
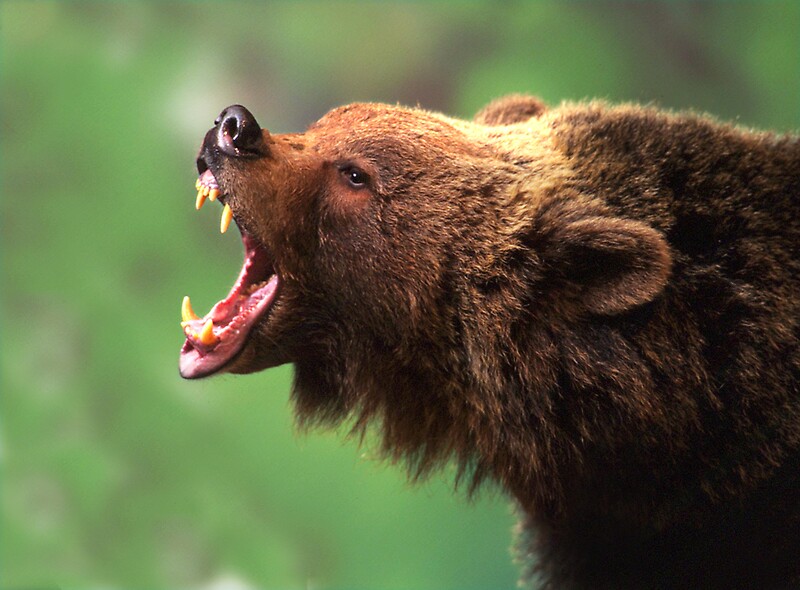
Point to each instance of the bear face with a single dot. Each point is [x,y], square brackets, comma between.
[593,306]
[331,208]
[380,198]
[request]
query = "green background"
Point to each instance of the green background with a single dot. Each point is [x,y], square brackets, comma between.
[118,474]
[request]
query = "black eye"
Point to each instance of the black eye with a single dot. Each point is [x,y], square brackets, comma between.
[355,177]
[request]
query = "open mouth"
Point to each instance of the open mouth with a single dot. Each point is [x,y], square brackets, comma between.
[215,339]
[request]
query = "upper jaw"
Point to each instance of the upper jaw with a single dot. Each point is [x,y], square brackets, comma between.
[236,136]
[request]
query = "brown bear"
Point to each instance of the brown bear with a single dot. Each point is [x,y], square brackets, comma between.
[595,306]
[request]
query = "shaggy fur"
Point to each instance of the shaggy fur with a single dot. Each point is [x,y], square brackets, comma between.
[597,307]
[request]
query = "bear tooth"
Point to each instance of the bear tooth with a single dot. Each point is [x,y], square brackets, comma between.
[207,335]
[213,194]
[187,313]
[227,215]
[201,198]
[197,184]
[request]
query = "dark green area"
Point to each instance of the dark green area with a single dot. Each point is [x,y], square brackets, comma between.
[117,474]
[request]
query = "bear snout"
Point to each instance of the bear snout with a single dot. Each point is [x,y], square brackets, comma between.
[237,133]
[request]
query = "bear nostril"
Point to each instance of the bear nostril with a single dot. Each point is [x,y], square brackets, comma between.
[238,131]
[231,128]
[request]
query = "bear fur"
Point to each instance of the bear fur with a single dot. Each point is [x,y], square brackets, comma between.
[596,307]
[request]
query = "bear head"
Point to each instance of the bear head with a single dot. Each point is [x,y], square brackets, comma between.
[399,259]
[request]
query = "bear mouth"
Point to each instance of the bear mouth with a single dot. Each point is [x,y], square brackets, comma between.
[214,340]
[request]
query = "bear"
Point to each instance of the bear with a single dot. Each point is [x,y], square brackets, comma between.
[594,306]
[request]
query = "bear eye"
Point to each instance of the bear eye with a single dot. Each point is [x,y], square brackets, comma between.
[355,177]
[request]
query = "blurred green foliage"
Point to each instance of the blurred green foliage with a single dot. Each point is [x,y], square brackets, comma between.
[116,473]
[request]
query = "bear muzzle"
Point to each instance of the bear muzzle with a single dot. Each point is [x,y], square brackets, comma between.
[216,339]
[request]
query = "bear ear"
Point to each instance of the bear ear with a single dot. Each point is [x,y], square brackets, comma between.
[514,108]
[611,265]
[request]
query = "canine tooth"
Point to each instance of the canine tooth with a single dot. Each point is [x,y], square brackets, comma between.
[227,215]
[207,335]
[187,313]
[201,198]
[213,194]
[198,184]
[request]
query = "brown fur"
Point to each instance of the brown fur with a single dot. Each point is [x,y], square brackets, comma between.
[597,307]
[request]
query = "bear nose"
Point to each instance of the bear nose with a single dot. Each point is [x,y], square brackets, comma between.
[238,132]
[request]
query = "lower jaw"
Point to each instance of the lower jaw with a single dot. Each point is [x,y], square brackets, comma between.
[198,360]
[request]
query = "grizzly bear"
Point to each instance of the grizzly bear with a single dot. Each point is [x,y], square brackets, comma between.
[596,307]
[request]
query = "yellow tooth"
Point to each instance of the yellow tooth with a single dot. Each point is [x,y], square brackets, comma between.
[207,335]
[187,314]
[201,198]
[227,215]
[206,190]
[213,194]
[197,184]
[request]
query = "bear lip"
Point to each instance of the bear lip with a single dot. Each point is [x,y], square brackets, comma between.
[214,340]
